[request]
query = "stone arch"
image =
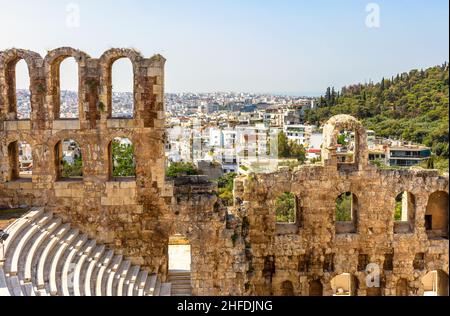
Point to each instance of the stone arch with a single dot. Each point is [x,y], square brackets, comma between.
[315,288]
[330,138]
[8,61]
[113,159]
[404,212]
[344,284]
[402,288]
[53,62]
[346,213]
[106,62]
[287,288]
[435,283]
[19,169]
[436,216]
[56,148]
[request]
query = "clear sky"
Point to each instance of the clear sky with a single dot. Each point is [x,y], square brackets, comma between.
[241,45]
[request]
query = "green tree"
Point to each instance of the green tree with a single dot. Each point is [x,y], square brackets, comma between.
[226,185]
[285,207]
[179,169]
[73,170]
[344,205]
[123,160]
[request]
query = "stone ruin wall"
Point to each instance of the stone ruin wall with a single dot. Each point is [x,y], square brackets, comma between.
[311,250]
[238,250]
[135,216]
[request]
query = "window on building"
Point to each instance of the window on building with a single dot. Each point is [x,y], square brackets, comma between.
[122,95]
[315,288]
[20,161]
[436,217]
[122,159]
[22,90]
[68,89]
[286,208]
[68,160]
[343,285]
[346,146]
[346,213]
[435,283]
[404,213]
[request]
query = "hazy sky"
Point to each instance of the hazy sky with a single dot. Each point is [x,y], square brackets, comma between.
[240,45]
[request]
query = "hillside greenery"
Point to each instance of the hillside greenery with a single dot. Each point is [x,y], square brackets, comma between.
[410,106]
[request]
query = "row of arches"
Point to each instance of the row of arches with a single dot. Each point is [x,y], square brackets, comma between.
[68,160]
[66,87]
[434,283]
[288,211]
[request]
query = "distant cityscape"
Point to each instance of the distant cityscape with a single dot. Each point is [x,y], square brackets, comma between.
[233,132]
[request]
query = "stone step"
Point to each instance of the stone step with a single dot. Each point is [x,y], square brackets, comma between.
[149,289]
[121,277]
[80,268]
[57,259]
[4,291]
[100,280]
[165,289]
[112,271]
[54,239]
[131,281]
[141,282]
[35,250]
[19,249]
[69,265]
[157,288]
[16,228]
[92,262]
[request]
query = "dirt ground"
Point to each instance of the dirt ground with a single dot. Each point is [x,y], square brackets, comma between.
[8,216]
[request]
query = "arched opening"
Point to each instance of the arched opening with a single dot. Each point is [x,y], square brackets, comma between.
[404,213]
[402,288]
[344,285]
[122,159]
[346,147]
[179,261]
[68,160]
[287,289]
[20,161]
[22,89]
[315,288]
[346,213]
[436,216]
[435,283]
[286,208]
[68,89]
[122,91]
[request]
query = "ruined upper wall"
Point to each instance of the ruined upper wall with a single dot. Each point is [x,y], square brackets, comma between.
[316,248]
[94,89]
[118,212]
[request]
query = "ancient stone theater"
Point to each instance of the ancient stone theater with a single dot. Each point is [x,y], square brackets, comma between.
[101,235]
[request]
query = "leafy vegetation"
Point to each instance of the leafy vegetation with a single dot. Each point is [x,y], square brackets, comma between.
[123,160]
[290,149]
[179,169]
[344,205]
[411,106]
[226,184]
[285,206]
[73,170]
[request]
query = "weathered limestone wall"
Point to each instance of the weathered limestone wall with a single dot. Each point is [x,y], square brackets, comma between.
[118,212]
[236,250]
[312,250]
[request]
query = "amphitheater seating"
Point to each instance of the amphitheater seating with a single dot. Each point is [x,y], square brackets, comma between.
[45,257]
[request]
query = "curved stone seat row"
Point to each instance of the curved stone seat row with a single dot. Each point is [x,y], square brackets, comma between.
[45,257]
